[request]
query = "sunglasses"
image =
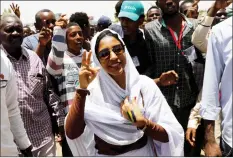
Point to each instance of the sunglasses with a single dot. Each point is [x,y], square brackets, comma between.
[105,53]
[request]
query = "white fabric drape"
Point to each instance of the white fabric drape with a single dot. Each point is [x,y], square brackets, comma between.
[103,118]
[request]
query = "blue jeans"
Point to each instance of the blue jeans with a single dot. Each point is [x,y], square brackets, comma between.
[227,151]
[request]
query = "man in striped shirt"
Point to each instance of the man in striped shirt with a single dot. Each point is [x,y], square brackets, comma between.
[65,58]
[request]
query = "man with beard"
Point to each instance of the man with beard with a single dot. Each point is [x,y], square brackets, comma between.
[170,48]
[32,84]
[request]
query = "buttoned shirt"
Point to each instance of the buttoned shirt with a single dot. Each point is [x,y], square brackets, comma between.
[32,86]
[12,128]
[187,61]
[219,70]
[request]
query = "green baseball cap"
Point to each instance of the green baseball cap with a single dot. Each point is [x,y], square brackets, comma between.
[131,9]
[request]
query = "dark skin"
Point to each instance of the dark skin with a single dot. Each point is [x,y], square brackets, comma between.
[153,14]
[26,31]
[74,39]
[11,34]
[171,15]
[190,11]
[130,27]
[45,25]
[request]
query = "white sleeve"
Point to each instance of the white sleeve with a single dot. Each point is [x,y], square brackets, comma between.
[16,122]
[210,107]
[200,35]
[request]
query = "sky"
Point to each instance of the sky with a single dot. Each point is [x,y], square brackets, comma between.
[92,8]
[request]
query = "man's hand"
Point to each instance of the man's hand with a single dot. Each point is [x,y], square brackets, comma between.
[15,9]
[191,136]
[193,11]
[221,4]
[167,78]
[217,5]
[212,150]
[45,36]
[62,21]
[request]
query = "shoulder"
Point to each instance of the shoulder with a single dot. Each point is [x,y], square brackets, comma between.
[117,28]
[153,25]
[33,57]
[31,41]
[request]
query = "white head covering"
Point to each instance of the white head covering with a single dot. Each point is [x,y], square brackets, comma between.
[103,118]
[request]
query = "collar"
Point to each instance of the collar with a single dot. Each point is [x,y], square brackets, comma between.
[72,55]
[190,25]
[23,56]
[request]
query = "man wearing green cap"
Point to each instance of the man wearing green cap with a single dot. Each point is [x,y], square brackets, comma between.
[131,16]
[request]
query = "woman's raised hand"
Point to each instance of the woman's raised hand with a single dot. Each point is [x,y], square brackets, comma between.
[87,73]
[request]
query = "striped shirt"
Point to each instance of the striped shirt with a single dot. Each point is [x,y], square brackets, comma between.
[64,66]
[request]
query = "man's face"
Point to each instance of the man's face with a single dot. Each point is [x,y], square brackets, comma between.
[169,7]
[154,14]
[221,15]
[129,26]
[11,32]
[26,32]
[47,19]
[193,12]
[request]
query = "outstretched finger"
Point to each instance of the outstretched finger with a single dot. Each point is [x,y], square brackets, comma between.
[84,58]
[89,58]
[11,5]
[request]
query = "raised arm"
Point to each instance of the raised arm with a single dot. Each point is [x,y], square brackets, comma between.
[59,46]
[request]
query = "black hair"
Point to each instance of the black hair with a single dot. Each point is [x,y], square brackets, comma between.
[70,24]
[183,3]
[154,7]
[27,27]
[118,7]
[37,16]
[81,19]
[105,34]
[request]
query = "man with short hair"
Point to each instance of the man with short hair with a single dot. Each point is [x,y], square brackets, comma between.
[82,20]
[154,13]
[41,42]
[189,8]
[32,84]
[170,48]
[131,16]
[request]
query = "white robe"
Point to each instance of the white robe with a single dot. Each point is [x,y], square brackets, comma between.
[103,117]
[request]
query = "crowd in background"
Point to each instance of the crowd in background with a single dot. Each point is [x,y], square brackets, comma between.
[155,83]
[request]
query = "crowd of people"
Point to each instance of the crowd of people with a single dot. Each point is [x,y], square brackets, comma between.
[153,84]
